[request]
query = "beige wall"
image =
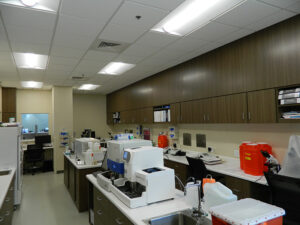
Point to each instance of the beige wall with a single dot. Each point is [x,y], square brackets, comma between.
[90,112]
[0,103]
[34,101]
[225,138]
[62,110]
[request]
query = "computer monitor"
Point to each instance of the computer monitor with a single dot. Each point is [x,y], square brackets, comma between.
[43,139]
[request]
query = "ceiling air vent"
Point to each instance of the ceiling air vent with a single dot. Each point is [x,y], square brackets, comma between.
[109,46]
[80,78]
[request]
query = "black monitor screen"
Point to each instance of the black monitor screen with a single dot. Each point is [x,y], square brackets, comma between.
[43,139]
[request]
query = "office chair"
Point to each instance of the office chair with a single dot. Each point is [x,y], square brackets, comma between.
[35,157]
[197,169]
[285,193]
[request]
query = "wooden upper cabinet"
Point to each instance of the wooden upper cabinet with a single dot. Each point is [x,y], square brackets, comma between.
[109,118]
[144,115]
[175,112]
[262,106]
[236,108]
[9,100]
[198,111]
[186,112]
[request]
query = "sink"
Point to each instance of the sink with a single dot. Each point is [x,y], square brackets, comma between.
[4,172]
[178,218]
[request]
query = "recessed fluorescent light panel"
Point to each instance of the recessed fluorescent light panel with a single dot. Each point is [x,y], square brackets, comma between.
[187,17]
[45,5]
[88,87]
[31,84]
[30,60]
[116,68]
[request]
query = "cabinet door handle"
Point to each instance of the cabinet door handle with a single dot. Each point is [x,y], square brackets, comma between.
[243,116]
[118,221]
[1,219]
[7,200]
[7,213]
[249,115]
[99,212]
[204,117]
[208,117]
[11,189]
[99,198]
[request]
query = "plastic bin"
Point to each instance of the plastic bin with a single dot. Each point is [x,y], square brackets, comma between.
[247,212]
[242,148]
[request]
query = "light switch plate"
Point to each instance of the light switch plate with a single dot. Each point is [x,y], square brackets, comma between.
[237,153]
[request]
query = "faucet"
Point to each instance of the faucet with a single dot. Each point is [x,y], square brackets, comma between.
[197,212]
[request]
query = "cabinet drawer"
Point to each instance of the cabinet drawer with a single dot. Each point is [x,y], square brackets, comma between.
[117,217]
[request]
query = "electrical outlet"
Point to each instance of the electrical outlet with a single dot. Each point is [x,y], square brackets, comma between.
[237,153]
[210,149]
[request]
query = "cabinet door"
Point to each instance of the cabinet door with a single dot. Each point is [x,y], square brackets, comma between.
[115,216]
[146,115]
[186,112]
[237,108]
[217,110]
[199,111]
[262,106]
[175,113]
[66,172]
[72,182]
[109,118]
[9,100]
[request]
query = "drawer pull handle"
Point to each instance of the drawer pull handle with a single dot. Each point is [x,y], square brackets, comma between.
[7,200]
[118,221]
[99,212]
[11,189]
[99,198]
[7,213]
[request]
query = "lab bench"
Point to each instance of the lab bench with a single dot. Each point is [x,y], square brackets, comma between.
[106,209]
[76,182]
[228,173]
[7,198]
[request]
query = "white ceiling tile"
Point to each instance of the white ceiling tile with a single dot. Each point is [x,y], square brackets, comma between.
[128,59]
[280,3]
[100,79]
[28,74]
[56,76]
[63,61]
[141,51]
[168,54]
[156,39]
[79,26]
[5,78]
[72,41]
[162,4]
[29,35]
[99,56]
[24,17]
[4,45]
[121,33]
[42,49]
[6,56]
[126,15]
[235,36]
[247,13]
[59,67]
[62,51]
[213,31]
[187,44]
[96,9]
[294,7]
[270,20]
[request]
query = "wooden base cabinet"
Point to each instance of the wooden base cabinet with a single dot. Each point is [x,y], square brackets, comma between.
[105,212]
[180,170]
[77,184]
[7,209]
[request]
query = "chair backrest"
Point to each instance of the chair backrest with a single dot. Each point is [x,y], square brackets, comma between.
[285,193]
[197,168]
[34,155]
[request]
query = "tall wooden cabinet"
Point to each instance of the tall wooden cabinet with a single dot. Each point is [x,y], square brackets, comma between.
[8,103]
[175,113]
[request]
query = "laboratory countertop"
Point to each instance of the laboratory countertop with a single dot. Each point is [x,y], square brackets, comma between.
[81,167]
[138,215]
[4,183]
[230,167]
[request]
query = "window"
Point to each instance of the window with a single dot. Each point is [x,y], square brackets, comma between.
[35,123]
